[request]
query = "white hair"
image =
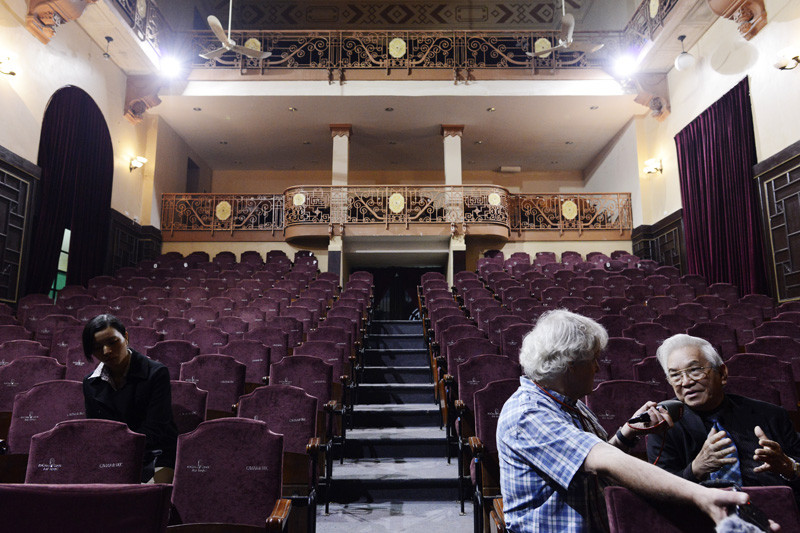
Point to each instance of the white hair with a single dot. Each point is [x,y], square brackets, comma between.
[680,341]
[558,339]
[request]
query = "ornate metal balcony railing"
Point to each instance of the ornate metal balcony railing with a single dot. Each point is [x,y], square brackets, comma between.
[146,21]
[221,212]
[336,208]
[452,50]
[397,204]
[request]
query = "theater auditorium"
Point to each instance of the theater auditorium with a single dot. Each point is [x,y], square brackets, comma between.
[332,224]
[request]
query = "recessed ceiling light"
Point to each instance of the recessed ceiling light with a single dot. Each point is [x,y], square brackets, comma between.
[478,142]
[389,109]
[223,142]
[392,142]
[306,142]
[569,142]
[292,109]
[237,162]
[491,109]
[553,162]
[594,107]
[197,109]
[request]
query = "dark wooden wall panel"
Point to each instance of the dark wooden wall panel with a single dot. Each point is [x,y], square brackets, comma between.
[779,187]
[663,241]
[129,243]
[19,180]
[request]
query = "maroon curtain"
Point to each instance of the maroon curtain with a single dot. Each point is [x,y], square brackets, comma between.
[77,162]
[716,154]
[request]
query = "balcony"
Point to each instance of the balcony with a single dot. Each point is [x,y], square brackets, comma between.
[316,213]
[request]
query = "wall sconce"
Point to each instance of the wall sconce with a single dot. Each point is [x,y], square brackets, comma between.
[137,162]
[5,68]
[652,166]
[788,59]
[685,60]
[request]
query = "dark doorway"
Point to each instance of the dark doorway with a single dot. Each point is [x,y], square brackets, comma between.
[192,177]
[396,292]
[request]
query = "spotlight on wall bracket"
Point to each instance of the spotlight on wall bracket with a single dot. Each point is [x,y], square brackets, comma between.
[787,60]
[109,40]
[137,162]
[4,68]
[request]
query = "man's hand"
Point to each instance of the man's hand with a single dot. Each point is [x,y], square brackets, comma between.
[658,418]
[713,455]
[771,454]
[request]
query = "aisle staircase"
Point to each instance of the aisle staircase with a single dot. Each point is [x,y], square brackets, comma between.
[396,449]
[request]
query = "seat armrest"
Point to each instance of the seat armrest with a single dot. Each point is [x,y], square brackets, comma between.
[279,518]
[476,446]
[313,445]
[330,406]
[448,379]
[460,406]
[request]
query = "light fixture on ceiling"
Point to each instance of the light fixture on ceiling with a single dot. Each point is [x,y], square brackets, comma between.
[4,67]
[625,66]
[788,59]
[652,166]
[137,162]
[685,60]
[109,40]
[170,66]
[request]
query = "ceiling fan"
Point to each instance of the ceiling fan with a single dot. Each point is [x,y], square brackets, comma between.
[543,47]
[252,47]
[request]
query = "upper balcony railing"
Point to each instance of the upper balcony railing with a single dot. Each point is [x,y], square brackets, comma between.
[146,21]
[308,211]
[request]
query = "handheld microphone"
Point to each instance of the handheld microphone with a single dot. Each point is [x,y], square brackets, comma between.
[673,407]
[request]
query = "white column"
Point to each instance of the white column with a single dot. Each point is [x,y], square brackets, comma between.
[451,137]
[341,153]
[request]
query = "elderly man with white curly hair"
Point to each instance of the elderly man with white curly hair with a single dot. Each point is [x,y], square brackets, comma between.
[554,455]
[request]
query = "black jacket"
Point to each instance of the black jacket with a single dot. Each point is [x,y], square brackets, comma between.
[144,404]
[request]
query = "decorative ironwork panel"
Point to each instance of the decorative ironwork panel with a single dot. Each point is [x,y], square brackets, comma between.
[574,212]
[219,212]
[146,21]
[644,25]
[782,195]
[15,196]
[340,50]
[310,205]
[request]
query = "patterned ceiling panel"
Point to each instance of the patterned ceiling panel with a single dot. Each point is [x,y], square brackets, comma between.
[410,15]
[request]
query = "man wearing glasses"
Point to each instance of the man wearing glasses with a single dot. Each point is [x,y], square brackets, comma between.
[722,439]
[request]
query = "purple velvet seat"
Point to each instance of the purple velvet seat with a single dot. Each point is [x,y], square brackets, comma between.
[304,316]
[658,284]
[621,354]
[577,285]
[713,303]
[784,348]
[696,282]
[463,350]
[139,336]
[614,305]
[45,328]
[223,305]
[207,339]
[648,333]
[291,326]
[640,313]
[153,295]
[649,371]
[189,405]
[254,355]
[253,316]
[341,336]
[726,291]
[793,306]
[204,491]
[789,316]
[638,293]
[37,410]
[201,315]
[742,325]
[594,294]
[121,508]
[615,401]
[272,337]
[552,296]
[173,328]
[598,276]
[634,275]
[693,311]
[562,278]
[770,369]
[454,333]
[171,353]
[674,322]
[595,312]
[485,469]
[669,272]
[778,328]
[110,453]
[331,353]
[616,285]
[174,306]
[311,374]
[77,365]
[627,512]
[221,375]
[753,387]
[572,303]
[234,326]
[682,292]
[615,324]
[500,323]
[718,334]
[750,310]
[484,314]
[511,294]
[23,373]
[511,339]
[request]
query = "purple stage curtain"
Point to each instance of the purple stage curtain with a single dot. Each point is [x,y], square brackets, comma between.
[716,154]
[77,162]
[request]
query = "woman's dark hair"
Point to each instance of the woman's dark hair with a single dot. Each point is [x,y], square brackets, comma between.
[99,323]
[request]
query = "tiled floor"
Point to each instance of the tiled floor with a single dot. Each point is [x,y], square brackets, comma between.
[395,517]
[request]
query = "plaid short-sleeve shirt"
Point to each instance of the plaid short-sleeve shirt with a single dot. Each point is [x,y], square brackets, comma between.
[542,446]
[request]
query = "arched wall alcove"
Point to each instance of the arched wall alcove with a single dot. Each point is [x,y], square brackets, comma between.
[77,162]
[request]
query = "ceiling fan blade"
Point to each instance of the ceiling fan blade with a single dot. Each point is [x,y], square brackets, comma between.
[214,53]
[546,51]
[249,52]
[216,27]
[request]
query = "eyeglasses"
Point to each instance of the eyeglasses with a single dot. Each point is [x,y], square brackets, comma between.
[695,373]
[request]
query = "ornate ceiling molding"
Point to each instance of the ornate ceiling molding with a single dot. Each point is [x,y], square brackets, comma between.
[341,130]
[452,130]
[141,94]
[44,16]
[749,15]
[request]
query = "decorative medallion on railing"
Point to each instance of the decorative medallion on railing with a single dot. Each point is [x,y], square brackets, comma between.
[221,212]
[337,208]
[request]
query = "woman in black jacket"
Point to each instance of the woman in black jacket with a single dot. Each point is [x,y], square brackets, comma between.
[128,387]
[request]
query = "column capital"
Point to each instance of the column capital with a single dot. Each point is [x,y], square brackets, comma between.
[341,130]
[452,130]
